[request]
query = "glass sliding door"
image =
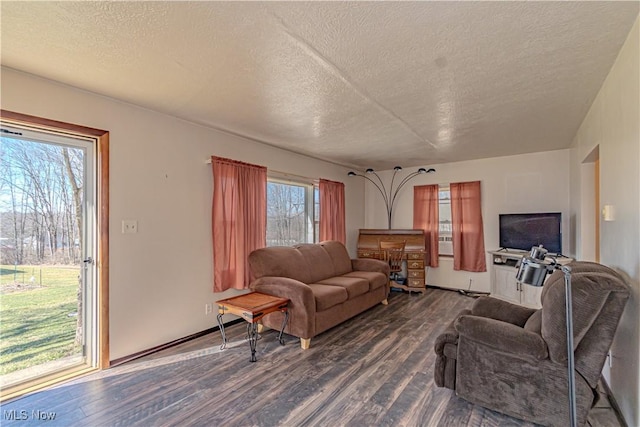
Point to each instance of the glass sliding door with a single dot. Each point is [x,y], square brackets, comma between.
[48,309]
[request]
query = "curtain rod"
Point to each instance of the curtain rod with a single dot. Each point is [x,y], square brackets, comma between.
[283,174]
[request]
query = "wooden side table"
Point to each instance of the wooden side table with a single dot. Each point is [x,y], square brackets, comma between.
[252,307]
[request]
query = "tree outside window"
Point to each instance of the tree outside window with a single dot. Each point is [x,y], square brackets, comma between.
[445,243]
[291,213]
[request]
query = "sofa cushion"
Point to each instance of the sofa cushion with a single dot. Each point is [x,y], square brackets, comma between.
[327,296]
[376,280]
[317,261]
[354,285]
[279,261]
[339,256]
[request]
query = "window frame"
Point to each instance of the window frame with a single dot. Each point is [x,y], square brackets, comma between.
[310,202]
[444,237]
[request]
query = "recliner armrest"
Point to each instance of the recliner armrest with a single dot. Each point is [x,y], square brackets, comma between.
[448,336]
[494,308]
[502,336]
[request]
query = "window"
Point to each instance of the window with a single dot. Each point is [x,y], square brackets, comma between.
[445,243]
[292,213]
[316,213]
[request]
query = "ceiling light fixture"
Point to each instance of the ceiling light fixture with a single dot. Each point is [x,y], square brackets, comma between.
[389,196]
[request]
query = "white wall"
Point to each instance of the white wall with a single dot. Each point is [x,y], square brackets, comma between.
[613,125]
[587,233]
[536,182]
[161,277]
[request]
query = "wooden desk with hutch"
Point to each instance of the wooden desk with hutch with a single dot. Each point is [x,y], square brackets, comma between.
[414,251]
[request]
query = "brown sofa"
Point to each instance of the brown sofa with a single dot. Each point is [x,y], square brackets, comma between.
[325,286]
[513,359]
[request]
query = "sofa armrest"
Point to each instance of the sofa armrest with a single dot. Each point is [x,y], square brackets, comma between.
[302,305]
[494,308]
[299,293]
[370,264]
[502,336]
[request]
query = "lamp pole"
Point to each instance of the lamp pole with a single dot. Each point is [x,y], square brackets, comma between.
[532,271]
[571,373]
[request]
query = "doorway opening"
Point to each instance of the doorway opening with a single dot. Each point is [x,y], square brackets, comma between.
[590,207]
[53,282]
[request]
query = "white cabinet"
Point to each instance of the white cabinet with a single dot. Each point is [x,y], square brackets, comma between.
[505,286]
[530,296]
[503,279]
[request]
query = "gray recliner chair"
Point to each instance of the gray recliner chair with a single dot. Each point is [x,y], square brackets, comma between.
[513,359]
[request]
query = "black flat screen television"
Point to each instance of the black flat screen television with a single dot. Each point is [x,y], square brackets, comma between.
[525,230]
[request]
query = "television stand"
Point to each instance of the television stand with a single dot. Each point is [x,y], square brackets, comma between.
[503,278]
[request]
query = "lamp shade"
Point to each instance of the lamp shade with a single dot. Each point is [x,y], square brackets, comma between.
[538,252]
[532,272]
[533,269]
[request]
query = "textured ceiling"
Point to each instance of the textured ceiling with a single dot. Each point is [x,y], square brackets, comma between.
[365,84]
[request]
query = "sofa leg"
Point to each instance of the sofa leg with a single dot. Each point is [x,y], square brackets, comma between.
[385,302]
[305,343]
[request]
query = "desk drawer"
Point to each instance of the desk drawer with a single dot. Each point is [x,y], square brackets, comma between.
[369,254]
[415,264]
[415,255]
[416,283]
[413,274]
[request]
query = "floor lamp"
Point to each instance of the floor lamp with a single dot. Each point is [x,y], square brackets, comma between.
[532,271]
[389,196]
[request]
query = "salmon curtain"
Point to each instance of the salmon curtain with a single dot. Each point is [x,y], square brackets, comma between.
[332,213]
[467,232]
[239,220]
[426,217]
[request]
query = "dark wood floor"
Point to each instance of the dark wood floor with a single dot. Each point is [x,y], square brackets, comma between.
[374,370]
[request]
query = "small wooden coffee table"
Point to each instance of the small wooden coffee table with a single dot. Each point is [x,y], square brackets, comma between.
[252,307]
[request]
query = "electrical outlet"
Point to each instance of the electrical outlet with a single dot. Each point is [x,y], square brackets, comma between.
[208,308]
[129,226]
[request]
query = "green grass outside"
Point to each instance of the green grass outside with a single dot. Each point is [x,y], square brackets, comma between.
[35,324]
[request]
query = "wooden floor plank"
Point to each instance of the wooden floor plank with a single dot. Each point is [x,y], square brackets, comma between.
[375,369]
